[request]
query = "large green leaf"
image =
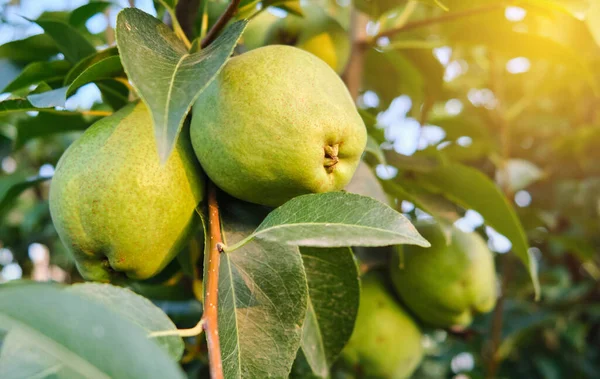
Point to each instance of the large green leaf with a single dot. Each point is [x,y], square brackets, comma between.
[38,72]
[69,40]
[334,289]
[65,335]
[262,299]
[135,308]
[471,189]
[335,219]
[168,78]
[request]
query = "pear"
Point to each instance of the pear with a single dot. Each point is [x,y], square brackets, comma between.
[277,122]
[116,207]
[315,32]
[386,342]
[446,284]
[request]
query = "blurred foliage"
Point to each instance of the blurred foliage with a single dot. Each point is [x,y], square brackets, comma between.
[508,88]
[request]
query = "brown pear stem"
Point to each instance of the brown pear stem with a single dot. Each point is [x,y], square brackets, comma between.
[212,286]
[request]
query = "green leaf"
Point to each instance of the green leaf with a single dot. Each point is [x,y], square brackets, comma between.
[114,93]
[518,174]
[11,186]
[45,124]
[69,40]
[135,308]
[107,68]
[79,16]
[10,71]
[35,48]
[65,335]
[334,291]
[49,99]
[86,63]
[471,189]
[38,72]
[167,78]
[335,219]
[374,149]
[262,299]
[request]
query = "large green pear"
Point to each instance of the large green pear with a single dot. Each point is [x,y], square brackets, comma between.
[444,285]
[116,207]
[277,122]
[386,342]
[315,32]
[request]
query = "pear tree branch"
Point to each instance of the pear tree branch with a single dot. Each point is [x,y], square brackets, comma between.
[221,22]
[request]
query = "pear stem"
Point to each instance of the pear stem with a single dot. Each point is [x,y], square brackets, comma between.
[212,287]
[191,332]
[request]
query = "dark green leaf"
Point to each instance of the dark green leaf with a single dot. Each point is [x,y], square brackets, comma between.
[114,93]
[333,287]
[471,189]
[11,186]
[262,300]
[45,124]
[166,77]
[84,64]
[38,72]
[62,334]
[104,69]
[335,219]
[79,16]
[69,40]
[35,48]
[134,308]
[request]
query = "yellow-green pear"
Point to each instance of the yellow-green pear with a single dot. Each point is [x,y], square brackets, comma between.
[116,207]
[386,342]
[315,32]
[277,122]
[446,284]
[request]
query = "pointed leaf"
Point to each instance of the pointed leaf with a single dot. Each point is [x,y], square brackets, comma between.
[79,16]
[336,219]
[137,309]
[471,189]
[11,186]
[69,40]
[38,72]
[262,300]
[35,48]
[334,289]
[167,78]
[49,99]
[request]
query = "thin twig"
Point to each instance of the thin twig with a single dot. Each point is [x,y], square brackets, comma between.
[437,20]
[196,330]
[221,22]
[212,286]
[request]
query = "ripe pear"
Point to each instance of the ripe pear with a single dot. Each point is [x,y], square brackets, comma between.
[315,32]
[386,342]
[116,207]
[277,122]
[444,285]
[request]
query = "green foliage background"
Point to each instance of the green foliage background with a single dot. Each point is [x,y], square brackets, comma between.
[482,113]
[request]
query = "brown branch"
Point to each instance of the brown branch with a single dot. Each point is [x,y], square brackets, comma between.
[354,71]
[212,286]
[221,22]
[439,20]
